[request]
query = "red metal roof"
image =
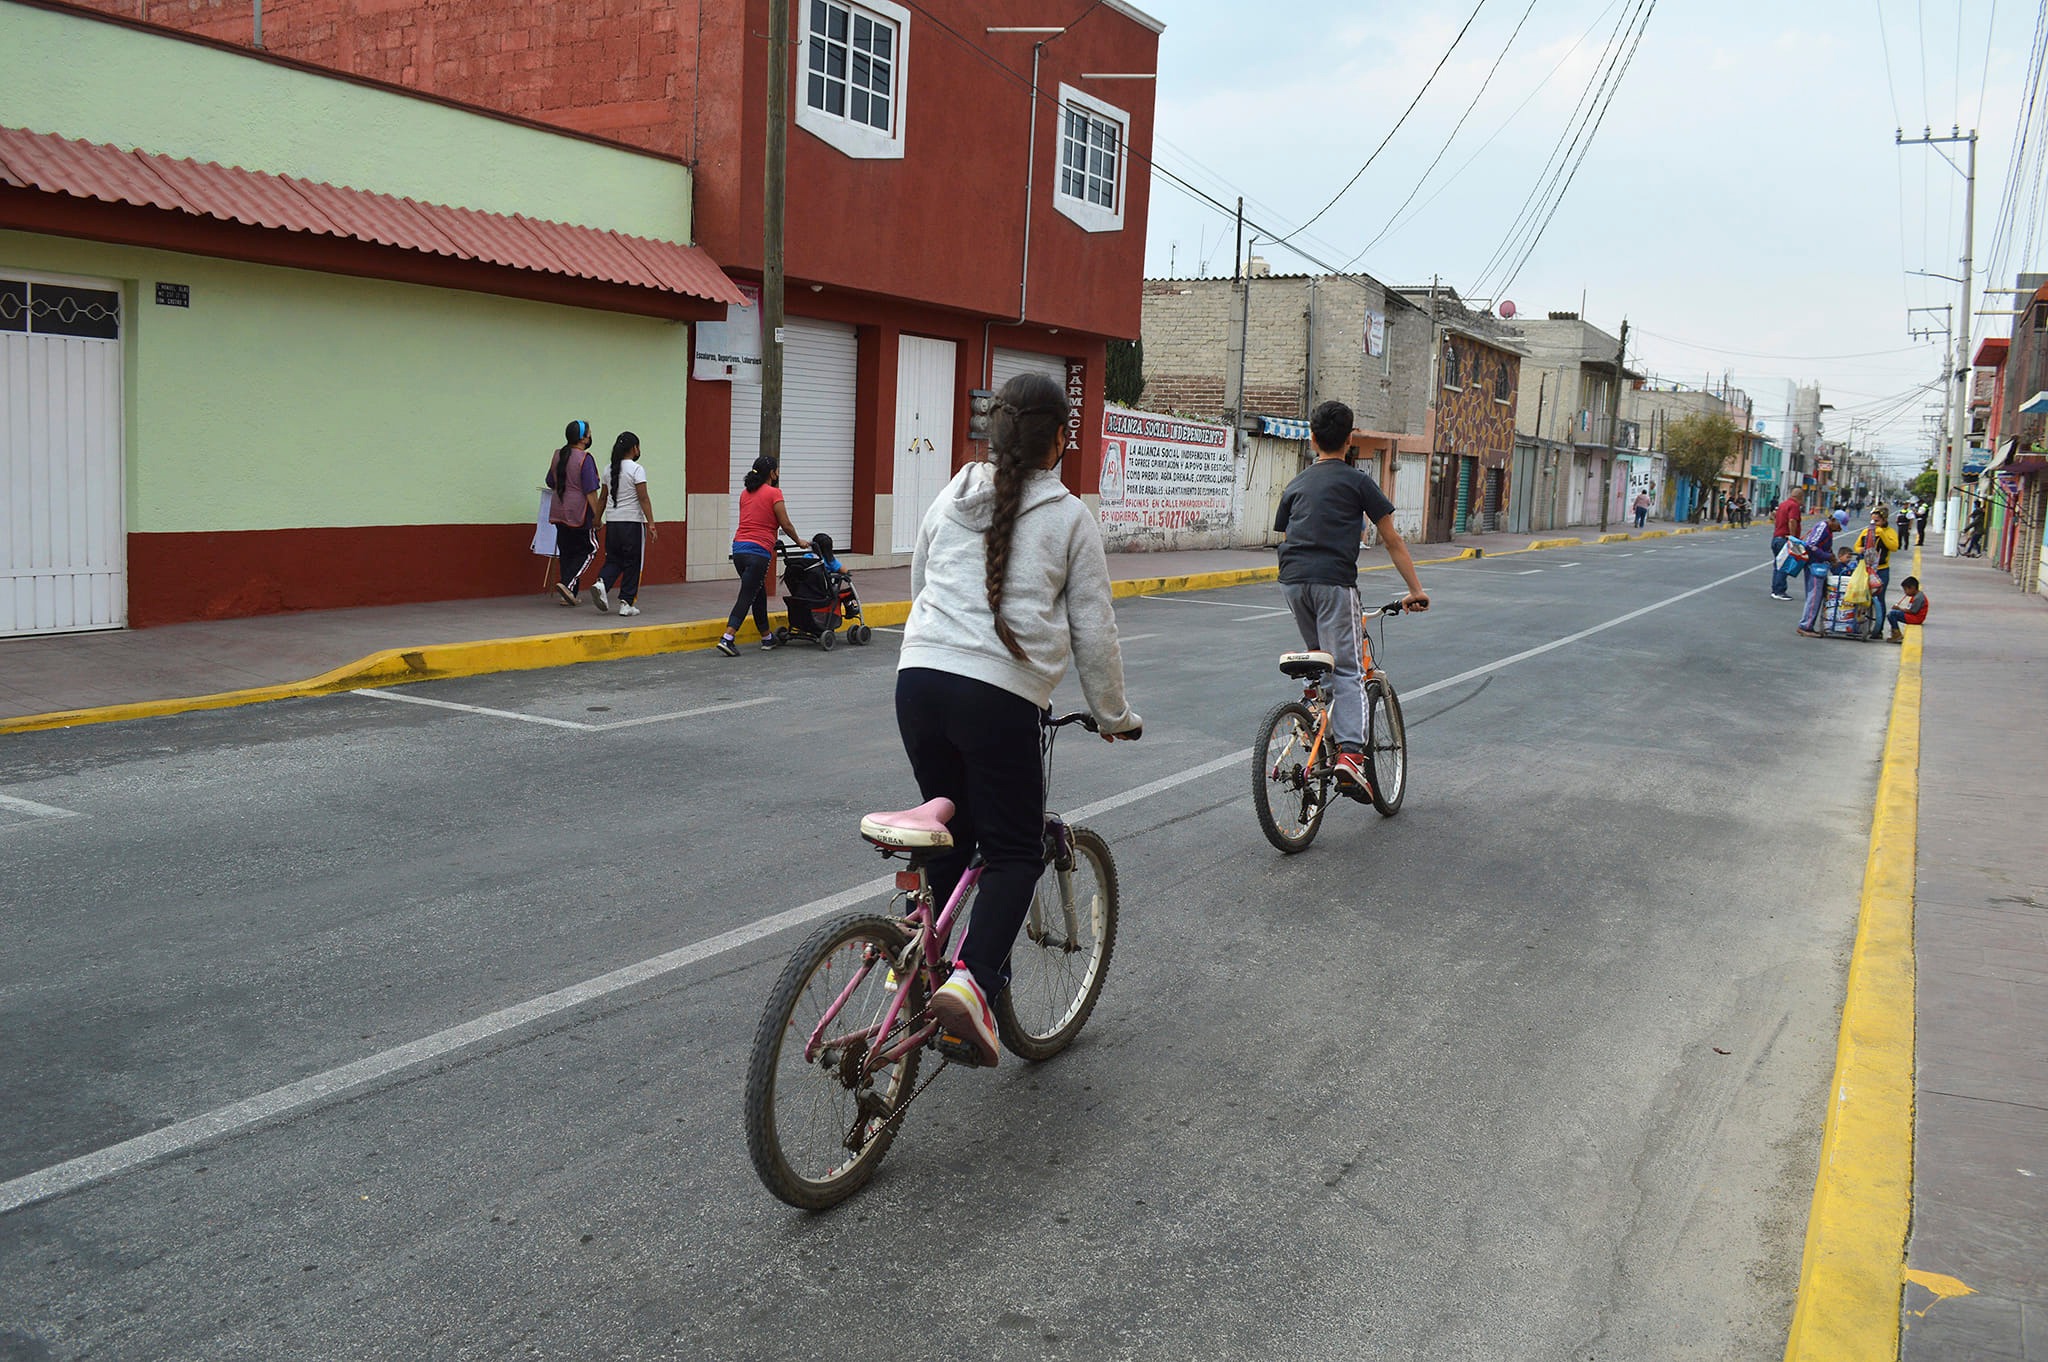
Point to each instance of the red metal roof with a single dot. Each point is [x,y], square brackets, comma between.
[58,165]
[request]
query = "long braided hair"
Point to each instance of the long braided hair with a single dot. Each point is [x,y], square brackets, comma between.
[621,447]
[1028,416]
[558,469]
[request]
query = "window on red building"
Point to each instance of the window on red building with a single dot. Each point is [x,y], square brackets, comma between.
[1092,161]
[853,76]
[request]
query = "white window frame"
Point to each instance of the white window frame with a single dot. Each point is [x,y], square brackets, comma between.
[861,141]
[1091,217]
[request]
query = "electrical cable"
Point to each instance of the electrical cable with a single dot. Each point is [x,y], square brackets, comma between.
[1456,128]
[1314,217]
[1764,354]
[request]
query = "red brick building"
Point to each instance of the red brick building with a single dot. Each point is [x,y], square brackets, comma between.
[920,164]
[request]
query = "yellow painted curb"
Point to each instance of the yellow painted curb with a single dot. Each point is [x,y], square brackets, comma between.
[1554,543]
[1659,534]
[1612,539]
[1851,1278]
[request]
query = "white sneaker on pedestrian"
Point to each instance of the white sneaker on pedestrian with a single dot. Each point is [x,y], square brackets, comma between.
[628,608]
[1780,596]
[597,596]
[964,1012]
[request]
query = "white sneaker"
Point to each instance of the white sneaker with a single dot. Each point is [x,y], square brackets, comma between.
[597,596]
[963,1011]
[628,608]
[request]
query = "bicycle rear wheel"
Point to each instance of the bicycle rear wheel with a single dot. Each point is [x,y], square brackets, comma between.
[1386,746]
[1061,957]
[816,1129]
[1289,796]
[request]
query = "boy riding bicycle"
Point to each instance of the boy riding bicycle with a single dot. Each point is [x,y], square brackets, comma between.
[1323,513]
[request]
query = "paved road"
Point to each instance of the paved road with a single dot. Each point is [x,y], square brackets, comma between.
[1534,1070]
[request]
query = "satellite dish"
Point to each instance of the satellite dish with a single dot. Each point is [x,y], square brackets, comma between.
[1507,307]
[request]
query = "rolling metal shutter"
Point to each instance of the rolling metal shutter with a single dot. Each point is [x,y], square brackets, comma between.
[1009,363]
[818,376]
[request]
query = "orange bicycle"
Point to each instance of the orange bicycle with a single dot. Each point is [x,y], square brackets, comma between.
[1294,768]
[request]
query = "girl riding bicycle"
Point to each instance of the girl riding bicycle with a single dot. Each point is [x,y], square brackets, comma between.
[1009,585]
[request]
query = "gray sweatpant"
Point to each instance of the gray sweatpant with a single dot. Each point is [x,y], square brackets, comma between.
[1328,619]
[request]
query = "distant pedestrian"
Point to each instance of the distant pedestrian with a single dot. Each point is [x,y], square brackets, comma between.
[1784,526]
[1920,519]
[628,525]
[1911,610]
[1875,547]
[762,515]
[1642,508]
[1902,521]
[1973,535]
[575,503]
[1824,563]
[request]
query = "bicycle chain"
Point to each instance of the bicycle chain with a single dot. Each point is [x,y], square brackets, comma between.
[897,1115]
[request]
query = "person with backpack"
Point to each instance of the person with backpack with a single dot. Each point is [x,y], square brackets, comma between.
[628,525]
[575,502]
[1009,588]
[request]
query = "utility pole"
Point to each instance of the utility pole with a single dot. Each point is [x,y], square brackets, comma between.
[774,177]
[1613,428]
[1949,504]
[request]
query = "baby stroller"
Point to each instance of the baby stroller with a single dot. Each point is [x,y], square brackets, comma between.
[819,595]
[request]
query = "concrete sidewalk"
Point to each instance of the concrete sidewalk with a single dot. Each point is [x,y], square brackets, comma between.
[1980,1155]
[79,671]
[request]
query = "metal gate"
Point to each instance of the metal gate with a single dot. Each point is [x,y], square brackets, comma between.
[819,367]
[63,534]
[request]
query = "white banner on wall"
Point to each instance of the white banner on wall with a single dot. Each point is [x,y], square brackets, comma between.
[731,349]
[1375,333]
[1165,479]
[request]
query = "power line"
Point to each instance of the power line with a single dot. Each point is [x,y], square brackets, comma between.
[1314,217]
[1558,202]
[1455,130]
[1762,354]
[1898,121]
[1546,175]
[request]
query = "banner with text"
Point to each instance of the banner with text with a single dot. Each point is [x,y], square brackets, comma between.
[1166,482]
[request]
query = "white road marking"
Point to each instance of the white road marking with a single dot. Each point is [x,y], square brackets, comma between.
[574,724]
[1528,572]
[1190,600]
[320,1088]
[1135,638]
[1566,565]
[1263,615]
[888,628]
[34,810]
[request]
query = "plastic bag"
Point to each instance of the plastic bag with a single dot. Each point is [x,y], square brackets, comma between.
[1857,592]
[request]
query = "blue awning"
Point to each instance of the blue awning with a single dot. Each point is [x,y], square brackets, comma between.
[1284,428]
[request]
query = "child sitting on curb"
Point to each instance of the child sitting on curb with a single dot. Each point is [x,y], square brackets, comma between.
[1912,610]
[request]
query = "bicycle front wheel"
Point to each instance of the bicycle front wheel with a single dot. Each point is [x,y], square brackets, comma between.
[819,1124]
[1062,954]
[1289,795]
[1386,746]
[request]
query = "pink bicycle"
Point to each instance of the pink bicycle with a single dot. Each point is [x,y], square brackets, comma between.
[835,1058]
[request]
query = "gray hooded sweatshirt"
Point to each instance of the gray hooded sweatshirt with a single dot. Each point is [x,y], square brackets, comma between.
[1056,599]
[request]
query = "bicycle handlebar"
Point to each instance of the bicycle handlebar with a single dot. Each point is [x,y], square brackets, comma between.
[1401,606]
[1086,721]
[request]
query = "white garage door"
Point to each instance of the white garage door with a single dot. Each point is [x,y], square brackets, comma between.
[1009,363]
[818,368]
[63,561]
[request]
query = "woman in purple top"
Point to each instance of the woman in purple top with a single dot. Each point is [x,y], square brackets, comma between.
[574,507]
[1821,540]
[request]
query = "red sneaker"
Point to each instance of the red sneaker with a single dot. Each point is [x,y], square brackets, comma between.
[963,1012]
[1351,771]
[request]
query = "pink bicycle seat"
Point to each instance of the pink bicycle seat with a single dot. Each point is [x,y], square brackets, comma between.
[921,828]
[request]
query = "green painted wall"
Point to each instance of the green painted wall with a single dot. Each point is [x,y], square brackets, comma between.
[284,399]
[80,77]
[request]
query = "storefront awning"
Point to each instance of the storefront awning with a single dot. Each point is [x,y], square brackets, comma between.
[284,203]
[2036,404]
[1283,427]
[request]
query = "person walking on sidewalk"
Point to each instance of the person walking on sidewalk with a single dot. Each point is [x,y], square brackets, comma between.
[1911,610]
[1642,507]
[1875,547]
[1784,525]
[576,500]
[762,515]
[628,525]
[1323,514]
[1009,585]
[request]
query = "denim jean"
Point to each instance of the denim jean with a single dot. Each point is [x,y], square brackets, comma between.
[753,571]
[1777,573]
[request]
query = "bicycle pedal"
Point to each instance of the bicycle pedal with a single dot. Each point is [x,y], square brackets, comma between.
[957,1050]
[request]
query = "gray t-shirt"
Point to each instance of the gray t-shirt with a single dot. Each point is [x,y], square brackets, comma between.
[1323,513]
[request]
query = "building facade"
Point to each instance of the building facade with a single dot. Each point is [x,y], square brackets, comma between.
[948,223]
[1581,456]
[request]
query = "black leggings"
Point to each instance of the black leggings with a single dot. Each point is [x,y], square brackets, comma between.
[625,549]
[977,745]
[753,571]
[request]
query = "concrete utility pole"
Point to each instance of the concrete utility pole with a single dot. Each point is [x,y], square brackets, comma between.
[1613,427]
[774,178]
[1948,506]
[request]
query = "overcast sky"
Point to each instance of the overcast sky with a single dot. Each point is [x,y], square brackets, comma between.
[1743,203]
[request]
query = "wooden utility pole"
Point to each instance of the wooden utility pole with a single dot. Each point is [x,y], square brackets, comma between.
[774,177]
[1613,428]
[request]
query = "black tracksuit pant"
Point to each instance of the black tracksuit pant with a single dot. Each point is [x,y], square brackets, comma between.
[574,544]
[625,549]
[977,745]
